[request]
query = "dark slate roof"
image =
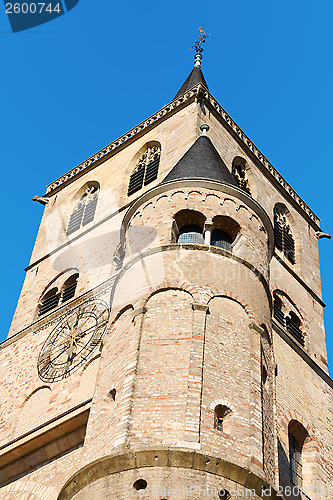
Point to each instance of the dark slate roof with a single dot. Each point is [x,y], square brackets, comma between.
[201,161]
[195,77]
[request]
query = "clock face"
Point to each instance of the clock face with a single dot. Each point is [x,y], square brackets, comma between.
[73,340]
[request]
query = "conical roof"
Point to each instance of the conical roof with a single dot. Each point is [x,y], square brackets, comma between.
[201,161]
[196,76]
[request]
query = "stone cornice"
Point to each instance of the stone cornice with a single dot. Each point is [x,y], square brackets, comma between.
[268,167]
[199,92]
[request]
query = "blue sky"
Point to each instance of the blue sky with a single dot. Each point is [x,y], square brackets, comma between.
[73,85]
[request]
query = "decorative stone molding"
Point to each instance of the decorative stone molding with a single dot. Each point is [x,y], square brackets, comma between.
[198,92]
[104,153]
[167,457]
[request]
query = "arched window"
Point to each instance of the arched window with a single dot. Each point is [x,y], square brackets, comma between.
[69,287]
[220,413]
[58,295]
[284,240]
[84,212]
[293,324]
[223,232]
[191,234]
[287,318]
[277,312]
[239,172]
[49,301]
[188,227]
[221,239]
[297,435]
[146,170]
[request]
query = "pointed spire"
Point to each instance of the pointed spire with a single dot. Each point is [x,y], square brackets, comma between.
[201,161]
[196,76]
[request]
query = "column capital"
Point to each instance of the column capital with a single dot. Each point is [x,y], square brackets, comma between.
[138,311]
[198,306]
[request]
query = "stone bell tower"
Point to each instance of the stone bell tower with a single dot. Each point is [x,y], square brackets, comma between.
[169,340]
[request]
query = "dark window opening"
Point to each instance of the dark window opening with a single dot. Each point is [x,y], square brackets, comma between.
[220,413]
[224,494]
[146,170]
[277,311]
[295,457]
[283,237]
[136,181]
[293,327]
[69,288]
[221,239]
[140,484]
[50,301]
[152,171]
[239,173]
[84,212]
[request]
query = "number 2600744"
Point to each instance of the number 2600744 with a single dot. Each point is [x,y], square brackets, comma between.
[32,8]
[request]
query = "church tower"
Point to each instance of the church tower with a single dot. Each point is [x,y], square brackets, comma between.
[169,340]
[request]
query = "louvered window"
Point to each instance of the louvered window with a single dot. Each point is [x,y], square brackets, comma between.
[295,460]
[284,240]
[278,314]
[289,245]
[191,234]
[239,173]
[69,288]
[152,171]
[84,212]
[136,181]
[221,239]
[49,302]
[295,330]
[146,170]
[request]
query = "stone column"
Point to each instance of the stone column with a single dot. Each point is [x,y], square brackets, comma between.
[208,231]
[129,385]
[194,392]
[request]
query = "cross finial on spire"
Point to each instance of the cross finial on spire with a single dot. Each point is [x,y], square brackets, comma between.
[198,47]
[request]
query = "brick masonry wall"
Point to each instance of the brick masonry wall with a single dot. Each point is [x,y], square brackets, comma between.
[181,337]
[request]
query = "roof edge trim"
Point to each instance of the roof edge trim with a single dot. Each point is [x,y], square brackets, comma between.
[199,91]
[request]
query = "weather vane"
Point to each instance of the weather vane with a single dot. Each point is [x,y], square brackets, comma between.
[198,48]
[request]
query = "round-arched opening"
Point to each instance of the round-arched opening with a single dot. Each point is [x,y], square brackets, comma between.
[69,288]
[224,494]
[220,413]
[140,484]
[221,239]
[49,301]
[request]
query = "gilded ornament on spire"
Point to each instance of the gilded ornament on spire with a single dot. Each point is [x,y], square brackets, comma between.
[198,48]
